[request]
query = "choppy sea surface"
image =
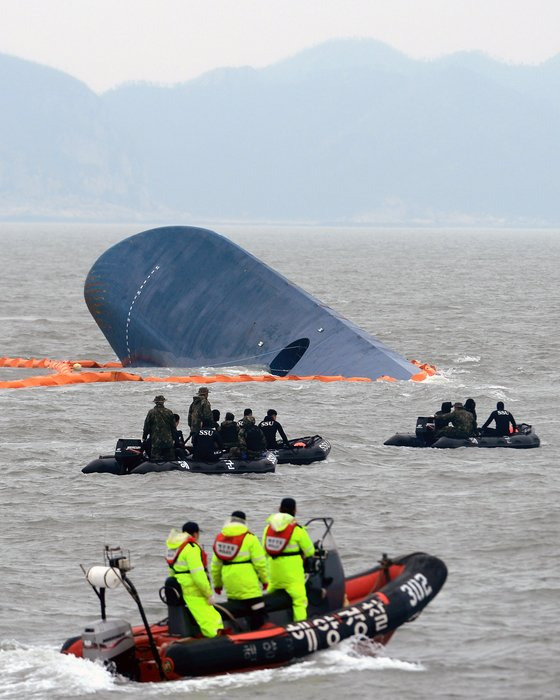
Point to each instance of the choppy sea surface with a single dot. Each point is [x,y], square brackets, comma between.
[480,305]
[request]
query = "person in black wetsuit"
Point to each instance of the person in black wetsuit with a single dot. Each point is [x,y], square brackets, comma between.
[470,406]
[181,450]
[216,418]
[270,426]
[208,443]
[228,432]
[503,420]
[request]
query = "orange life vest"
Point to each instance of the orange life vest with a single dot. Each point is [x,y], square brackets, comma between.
[173,555]
[276,542]
[227,547]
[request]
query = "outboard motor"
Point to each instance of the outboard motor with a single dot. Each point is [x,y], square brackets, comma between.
[111,642]
[128,453]
[424,424]
[425,429]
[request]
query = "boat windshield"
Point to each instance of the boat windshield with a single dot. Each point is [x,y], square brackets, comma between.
[320,531]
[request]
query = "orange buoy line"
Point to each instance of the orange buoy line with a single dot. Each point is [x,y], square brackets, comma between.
[70,372]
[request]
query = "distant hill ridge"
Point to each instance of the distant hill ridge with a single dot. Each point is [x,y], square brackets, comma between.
[350,131]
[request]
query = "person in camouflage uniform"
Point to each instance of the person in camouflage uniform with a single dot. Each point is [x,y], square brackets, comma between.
[251,438]
[200,411]
[160,426]
[463,423]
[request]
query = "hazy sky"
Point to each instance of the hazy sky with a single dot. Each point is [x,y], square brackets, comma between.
[107,42]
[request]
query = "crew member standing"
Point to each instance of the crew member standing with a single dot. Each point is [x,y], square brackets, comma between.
[200,411]
[239,566]
[270,426]
[159,425]
[188,563]
[288,545]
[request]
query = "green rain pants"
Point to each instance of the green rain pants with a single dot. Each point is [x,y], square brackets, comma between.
[297,593]
[207,617]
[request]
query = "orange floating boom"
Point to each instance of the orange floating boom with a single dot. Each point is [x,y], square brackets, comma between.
[69,372]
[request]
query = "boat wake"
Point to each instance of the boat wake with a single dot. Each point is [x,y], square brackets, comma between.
[351,655]
[34,672]
[43,672]
[355,654]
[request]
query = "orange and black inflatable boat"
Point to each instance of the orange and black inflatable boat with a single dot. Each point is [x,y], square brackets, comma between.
[371,604]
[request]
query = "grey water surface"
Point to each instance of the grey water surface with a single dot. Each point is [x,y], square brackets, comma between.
[480,305]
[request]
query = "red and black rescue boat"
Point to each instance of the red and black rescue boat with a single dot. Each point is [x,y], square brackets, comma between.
[371,604]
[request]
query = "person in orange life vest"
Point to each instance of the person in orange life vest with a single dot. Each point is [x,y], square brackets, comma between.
[187,563]
[239,566]
[287,545]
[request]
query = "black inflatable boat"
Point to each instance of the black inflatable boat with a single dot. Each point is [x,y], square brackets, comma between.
[425,437]
[130,459]
[370,604]
[304,450]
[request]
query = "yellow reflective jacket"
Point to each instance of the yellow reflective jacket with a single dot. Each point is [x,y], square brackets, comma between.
[243,575]
[188,568]
[287,568]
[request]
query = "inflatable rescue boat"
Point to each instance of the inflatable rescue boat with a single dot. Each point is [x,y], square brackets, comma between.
[304,450]
[129,458]
[371,604]
[425,436]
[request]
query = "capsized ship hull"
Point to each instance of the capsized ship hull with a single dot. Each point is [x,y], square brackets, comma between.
[188,297]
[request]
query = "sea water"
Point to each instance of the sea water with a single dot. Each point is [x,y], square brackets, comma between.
[482,305]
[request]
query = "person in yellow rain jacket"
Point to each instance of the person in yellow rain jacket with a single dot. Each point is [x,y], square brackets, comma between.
[187,563]
[239,566]
[287,545]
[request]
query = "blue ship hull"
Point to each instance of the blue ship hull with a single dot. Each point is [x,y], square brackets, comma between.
[188,297]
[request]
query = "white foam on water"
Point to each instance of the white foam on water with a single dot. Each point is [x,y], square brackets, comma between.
[462,359]
[351,655]
[356,654]
[37,672]
[443,376]
[42,672]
